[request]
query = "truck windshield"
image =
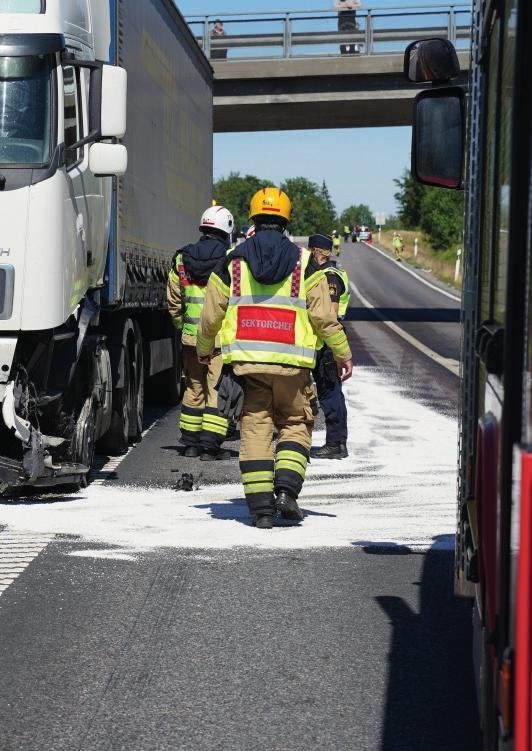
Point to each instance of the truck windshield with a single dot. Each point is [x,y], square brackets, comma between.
[25,110]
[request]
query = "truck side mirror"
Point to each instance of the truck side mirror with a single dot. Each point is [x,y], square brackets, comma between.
[431,60]
[107,159]
[107,100]
[438,137]
[113,109]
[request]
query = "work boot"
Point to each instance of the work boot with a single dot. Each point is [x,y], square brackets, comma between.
[215,455]
[263,521]
[191,452]
[287,506]
[330,451]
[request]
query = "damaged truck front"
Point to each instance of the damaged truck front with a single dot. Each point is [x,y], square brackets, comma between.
[89,224]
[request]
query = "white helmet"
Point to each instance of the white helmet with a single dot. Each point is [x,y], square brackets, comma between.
[217,217]
[252,231]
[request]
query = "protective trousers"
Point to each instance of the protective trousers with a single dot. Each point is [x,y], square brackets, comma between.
[281,402]
[200,421]
[331,398]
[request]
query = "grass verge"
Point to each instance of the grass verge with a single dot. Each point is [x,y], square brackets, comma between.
[440,263]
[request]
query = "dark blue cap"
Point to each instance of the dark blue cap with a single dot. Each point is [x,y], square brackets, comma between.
[320,241]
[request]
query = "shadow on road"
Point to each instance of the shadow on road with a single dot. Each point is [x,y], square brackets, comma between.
[236,509]
[430,676]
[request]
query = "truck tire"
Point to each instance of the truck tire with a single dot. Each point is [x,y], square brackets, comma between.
[84,438]
[136,418]
[116,440]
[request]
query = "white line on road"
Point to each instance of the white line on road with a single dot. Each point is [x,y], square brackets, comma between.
[100,473]
[412,273]
[18,549]
[446,362]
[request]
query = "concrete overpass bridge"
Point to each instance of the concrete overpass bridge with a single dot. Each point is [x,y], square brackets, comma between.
[287,71]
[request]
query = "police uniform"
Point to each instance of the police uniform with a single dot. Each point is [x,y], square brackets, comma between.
[328,384]
[267,302]
[203,429]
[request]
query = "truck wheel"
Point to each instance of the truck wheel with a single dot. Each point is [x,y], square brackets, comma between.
[116,440]
[84,438]
[136,417]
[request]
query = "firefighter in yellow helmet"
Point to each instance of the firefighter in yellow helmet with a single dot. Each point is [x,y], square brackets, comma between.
[269,302]
[203,429]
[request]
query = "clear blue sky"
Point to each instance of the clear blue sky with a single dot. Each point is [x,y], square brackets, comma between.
[359,165]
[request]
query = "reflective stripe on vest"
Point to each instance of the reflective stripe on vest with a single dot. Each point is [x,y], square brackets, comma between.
[193,299]
[268,323]
[346,294]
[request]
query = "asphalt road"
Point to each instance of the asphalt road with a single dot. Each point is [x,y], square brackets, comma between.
[216,638]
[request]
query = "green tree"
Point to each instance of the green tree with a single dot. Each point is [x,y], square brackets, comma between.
[358,214]
[312,207]
[331,208]
[235,192]
[409,198]
[442,217]
[392,222]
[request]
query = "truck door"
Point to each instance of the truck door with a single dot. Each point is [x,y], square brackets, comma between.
[84,221]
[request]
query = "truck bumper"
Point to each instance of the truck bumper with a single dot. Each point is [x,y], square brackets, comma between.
[37,468]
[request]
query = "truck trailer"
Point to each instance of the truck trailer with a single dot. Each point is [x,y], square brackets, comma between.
[105,167]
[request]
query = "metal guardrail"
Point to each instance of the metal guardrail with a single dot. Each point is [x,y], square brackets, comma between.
[377,27]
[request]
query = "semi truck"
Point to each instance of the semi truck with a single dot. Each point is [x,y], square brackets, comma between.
[105,167]
[488,129]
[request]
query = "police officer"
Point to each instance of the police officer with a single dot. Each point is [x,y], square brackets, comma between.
[328,384]
[203,430]
[267,299]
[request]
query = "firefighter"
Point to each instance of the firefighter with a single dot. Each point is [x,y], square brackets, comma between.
[203,430]
[347,233]
[328,384]
[267,300]
[398,245]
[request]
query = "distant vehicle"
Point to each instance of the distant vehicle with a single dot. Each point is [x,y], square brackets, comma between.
[365,234]
[242,231]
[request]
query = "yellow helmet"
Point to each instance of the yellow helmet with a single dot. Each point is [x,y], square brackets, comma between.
[270,201]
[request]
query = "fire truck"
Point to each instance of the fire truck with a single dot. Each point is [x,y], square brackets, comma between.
[480,140]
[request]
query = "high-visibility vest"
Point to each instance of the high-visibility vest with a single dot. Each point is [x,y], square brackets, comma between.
[344,297]
[269,323]
[336,241]
[193,298]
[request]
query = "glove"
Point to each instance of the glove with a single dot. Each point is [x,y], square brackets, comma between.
[230,390]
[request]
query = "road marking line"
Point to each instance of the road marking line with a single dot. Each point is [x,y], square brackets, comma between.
[412,273]
[446,362]
[17,551]
[100,474]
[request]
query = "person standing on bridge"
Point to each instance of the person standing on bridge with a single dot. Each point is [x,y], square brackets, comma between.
[218,32]
[328,383]
[347,21]
[203,429]
[269,301]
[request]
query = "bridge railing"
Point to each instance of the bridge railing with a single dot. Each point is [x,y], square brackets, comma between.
[316,33]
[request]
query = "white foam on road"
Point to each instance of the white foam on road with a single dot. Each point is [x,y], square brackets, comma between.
[396,488]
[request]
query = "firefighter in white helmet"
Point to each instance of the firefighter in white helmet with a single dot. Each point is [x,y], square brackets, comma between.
[268,302]
[203,429]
